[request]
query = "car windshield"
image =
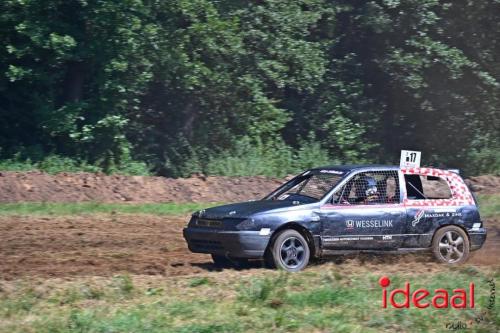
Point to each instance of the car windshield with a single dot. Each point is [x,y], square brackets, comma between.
[307,188]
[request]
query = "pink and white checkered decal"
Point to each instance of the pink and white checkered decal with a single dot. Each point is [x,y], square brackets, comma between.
[459,191]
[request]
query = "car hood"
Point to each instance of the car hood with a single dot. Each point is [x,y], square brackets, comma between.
[244,209]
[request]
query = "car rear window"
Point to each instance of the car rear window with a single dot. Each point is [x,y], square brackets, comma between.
[420,187]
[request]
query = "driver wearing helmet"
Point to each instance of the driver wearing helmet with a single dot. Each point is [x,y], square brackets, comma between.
[366,191]
[371,192]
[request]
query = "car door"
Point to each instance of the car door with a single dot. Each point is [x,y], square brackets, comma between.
[363,216]
[429,205]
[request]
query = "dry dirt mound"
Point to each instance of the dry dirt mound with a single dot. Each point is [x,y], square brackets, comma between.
[104,245]
[75,187]
[486,184]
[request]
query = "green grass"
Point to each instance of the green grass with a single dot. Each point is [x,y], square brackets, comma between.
[272,301]
[489,205]
[56,208]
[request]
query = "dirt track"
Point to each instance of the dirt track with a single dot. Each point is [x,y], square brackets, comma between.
[103,245]
[94,245]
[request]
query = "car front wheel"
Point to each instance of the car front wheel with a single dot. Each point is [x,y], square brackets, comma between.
[290,251]
[451,245]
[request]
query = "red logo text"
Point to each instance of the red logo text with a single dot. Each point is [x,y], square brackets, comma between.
[423,298]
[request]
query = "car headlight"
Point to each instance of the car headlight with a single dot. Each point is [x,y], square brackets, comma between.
[247,224]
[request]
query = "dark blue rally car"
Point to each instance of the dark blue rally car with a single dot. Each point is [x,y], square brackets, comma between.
[341,209]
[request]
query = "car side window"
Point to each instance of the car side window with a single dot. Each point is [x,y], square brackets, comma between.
[420,187]
[375,187]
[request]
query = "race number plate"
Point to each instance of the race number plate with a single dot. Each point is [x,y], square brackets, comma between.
[409,159]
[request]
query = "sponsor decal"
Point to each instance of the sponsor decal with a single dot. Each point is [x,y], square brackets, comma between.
[418,217]
[335,172]
[343,239]
[387,237]
[437,213]
[351,224]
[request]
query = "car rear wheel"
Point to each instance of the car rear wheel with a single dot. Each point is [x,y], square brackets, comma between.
[290,251]
[451,245]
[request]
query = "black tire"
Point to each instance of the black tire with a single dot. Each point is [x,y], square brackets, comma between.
[269,260]
[450,245]
[290,251]
[225,262]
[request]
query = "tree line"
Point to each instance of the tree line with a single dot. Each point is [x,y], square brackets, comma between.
[233,87]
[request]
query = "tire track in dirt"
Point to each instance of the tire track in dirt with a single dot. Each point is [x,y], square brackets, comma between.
[104,245]
[95,245]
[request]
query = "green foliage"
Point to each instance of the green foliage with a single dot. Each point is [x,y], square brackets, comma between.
[484,161]
[271,159]
[54,164]
[176,86]
[50,164]
[485,152]
[14,164]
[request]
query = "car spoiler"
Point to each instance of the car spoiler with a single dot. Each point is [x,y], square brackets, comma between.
[457,171]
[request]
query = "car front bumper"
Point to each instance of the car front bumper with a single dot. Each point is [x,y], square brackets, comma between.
[237,244]
[477,238]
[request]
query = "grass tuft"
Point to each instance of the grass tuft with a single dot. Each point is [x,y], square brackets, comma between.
[198,281]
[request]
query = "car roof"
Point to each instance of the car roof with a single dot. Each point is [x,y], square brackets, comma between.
[357,167]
